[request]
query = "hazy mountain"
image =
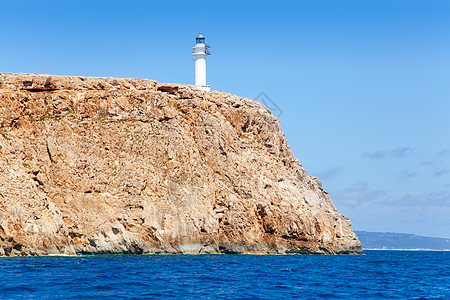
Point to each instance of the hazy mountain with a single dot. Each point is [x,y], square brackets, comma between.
[390,240]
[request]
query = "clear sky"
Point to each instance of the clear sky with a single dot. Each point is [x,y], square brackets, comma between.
[364,86]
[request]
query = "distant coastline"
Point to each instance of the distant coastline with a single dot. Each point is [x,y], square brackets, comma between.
[401,242]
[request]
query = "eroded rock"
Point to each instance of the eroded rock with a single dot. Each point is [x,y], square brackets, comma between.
[106,165]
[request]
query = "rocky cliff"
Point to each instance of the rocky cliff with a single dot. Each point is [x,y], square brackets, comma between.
[104,165]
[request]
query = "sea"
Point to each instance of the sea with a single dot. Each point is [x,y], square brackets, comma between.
[371,275]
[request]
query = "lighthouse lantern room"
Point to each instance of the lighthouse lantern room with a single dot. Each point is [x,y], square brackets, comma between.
[201,50]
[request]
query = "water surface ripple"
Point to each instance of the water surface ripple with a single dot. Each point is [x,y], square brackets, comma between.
[376,274]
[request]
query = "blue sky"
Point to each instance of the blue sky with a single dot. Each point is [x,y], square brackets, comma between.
[363,85]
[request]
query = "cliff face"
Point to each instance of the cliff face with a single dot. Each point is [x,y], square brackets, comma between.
[103,165]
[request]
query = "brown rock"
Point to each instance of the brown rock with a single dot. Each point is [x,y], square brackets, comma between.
[105,165]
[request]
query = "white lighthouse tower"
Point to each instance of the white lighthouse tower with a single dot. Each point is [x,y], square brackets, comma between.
[201,50]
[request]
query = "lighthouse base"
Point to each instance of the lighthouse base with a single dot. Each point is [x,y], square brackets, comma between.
[203,87]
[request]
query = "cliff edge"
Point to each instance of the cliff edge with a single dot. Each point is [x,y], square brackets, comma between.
[105,165]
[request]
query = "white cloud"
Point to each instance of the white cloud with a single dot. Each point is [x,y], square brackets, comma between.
[360,195]
[440,172]
[329,173]
[407,174]
[396,153]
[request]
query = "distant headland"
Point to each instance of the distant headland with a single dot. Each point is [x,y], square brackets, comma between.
[401,241]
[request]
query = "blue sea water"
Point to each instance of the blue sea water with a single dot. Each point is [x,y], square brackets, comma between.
[373,275]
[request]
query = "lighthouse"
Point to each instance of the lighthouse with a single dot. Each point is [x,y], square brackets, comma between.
[201,50]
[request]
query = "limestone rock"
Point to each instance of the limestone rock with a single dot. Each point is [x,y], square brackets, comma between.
[105,165]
